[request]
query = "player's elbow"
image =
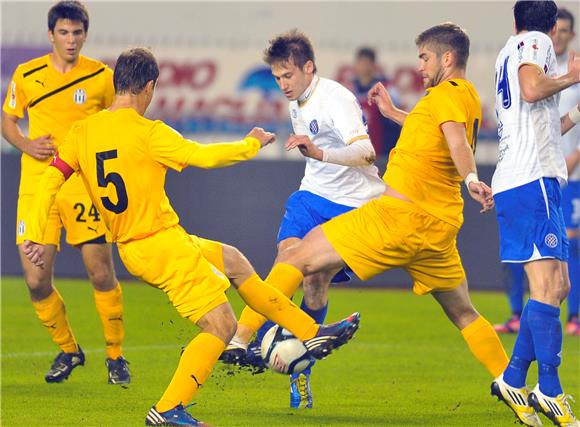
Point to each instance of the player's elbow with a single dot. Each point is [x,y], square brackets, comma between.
[530,94]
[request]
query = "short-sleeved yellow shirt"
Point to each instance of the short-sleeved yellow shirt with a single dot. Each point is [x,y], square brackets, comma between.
[420,166]
[54,101]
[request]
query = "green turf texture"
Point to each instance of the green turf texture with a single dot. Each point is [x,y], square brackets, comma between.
[407,366]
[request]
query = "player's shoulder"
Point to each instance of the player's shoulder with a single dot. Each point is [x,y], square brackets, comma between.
[28,68]
[453,87]
[92,65]
[334,89]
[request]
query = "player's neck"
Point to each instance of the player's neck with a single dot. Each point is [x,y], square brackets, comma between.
[135,102]
[309,90]
[61,65]
[452,74]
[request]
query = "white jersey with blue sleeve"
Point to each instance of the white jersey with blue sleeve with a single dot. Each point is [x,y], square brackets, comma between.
[530,145]
[332,118]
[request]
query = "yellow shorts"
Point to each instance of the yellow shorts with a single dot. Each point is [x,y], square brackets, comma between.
[75,212]
[389,233]
[179,264]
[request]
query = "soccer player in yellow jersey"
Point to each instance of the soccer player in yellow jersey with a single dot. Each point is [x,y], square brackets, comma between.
[122,158]
[414,224]
[56,90]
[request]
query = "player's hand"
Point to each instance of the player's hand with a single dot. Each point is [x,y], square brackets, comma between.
[305,145]
[574,64]
[34,252]
[40,148]
[261,135]
[379,96]
[480,192]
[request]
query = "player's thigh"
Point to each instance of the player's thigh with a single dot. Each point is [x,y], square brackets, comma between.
[39,280]
[23,218]
[437,265]
[546,280]
[80,218]
[172,261]
[98,260]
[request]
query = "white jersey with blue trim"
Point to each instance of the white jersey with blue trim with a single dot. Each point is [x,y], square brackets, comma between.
[332,117]
[530,145]
[569,98]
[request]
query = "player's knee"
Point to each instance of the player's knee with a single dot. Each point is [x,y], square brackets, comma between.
[102,277]
[39,286]
[223,327]
[235,263]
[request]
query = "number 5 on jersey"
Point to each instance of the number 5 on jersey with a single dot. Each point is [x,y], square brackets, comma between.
[111,178]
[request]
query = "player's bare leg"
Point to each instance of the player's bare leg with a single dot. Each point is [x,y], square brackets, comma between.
[98,260]
[50,309]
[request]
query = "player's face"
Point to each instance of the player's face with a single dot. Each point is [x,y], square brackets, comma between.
[67,39]
[562,36]
[430,67]
[291,79]
[364,68]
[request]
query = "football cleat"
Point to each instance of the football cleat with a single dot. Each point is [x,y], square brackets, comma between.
[557,409]
[63,365]
[254,357]
[234,354]
[511,326]
[517,400]
[177,416]
[573,327]
[118,370]
[300,392]
[332,336]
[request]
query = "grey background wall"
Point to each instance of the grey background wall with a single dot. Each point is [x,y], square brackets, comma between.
[242,205]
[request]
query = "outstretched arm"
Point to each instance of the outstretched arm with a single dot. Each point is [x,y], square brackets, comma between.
[462,156]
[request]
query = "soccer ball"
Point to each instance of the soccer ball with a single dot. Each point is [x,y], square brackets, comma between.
[284,353]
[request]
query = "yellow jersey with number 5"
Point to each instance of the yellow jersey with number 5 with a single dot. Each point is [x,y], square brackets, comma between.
[53,102]
[420,166]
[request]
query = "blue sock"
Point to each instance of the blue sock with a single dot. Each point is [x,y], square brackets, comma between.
[516,290]
[318,315]
[523,354]
[574,270]
[544,323]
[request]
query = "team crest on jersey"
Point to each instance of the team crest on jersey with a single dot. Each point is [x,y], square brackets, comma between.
[80,96]
[314,127]
[551,240]
[21,227]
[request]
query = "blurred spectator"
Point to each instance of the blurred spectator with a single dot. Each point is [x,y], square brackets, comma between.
[383,132]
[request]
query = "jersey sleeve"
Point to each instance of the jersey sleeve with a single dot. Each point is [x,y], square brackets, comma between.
[169,148]
[447,105]
[15,102]
[109,90]
[536,50]
[347,117]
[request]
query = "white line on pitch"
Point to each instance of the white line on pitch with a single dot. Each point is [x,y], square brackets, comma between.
[92,350]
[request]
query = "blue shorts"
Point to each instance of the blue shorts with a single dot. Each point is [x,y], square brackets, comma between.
[571,205]
[304,211]
[531,222]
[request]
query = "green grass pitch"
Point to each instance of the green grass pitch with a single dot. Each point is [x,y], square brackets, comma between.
[407,366]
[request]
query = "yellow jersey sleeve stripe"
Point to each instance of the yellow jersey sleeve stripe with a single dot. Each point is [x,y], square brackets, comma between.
[357,138]
[60,89]
[34,70]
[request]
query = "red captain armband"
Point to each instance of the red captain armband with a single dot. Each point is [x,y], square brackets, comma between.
[62,166]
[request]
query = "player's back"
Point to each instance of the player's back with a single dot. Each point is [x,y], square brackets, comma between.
[420,165]
[119,160]
[529,133]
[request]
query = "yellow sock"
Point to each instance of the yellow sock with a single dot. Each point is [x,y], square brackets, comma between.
[277,307]
[195,365]
[52,313]
[486,346]
[110,308]
[284,277]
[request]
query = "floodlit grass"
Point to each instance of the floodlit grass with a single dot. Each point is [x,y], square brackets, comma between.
[407,366]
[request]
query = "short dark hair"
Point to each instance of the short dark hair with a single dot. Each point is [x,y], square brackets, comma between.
[72,10]
[564,13]
[293,45]
[445,37]
[366,52]
[135,67]
[539,15]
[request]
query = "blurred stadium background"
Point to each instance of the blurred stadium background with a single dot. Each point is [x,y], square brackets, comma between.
[214,86]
